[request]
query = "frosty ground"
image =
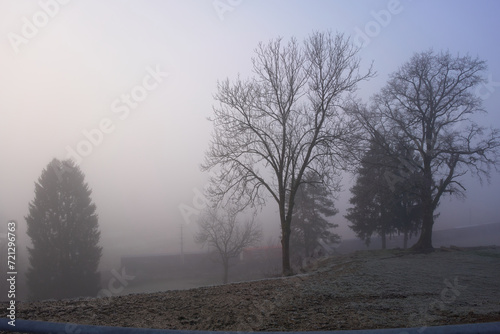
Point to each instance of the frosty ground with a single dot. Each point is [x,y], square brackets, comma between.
[362,290]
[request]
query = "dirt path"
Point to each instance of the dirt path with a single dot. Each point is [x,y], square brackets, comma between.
[363,290]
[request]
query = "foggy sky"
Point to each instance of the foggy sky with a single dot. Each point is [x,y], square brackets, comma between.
[144,74]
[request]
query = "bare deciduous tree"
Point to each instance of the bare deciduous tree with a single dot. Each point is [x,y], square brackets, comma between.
[427,108]
[226,235]
[287,120]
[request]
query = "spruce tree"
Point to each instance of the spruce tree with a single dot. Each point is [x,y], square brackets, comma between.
[313,204]
[385,196]
[372,199]
[63,227]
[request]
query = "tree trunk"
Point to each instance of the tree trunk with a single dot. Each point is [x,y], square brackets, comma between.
[285,248]
[424,243]
[405,240]
[384,242]
[286,222]
[225,263]
[306,244]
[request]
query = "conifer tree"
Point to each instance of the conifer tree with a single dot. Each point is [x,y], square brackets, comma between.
[313,204]
[385,197]
[63,227]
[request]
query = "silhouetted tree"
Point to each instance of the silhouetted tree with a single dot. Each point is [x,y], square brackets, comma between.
[407,210]
[427,108]
[310,228]
[289,119]
[226,235]
[372,199]
[63,228]
[382,204]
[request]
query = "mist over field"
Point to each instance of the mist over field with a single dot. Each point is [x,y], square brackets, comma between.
[124,88]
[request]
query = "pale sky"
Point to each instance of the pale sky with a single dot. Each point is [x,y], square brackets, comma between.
[144,73]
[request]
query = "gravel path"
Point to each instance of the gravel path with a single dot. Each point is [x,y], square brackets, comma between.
[376,289]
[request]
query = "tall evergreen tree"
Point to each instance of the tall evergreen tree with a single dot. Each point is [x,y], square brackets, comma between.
[407,208]
[370,212]
[64,232]
[313,204]
[384,198]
